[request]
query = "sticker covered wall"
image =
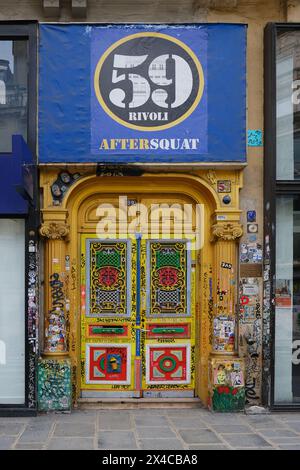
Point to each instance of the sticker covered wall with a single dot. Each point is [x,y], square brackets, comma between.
[142,93]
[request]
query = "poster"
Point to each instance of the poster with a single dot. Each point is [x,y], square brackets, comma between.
[283,295]
[142,93]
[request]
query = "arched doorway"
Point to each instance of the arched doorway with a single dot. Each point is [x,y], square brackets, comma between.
[138,299]
[139,306]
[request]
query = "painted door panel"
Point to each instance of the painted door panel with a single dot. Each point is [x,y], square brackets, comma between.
[137,317]
[168,315]
[107,316]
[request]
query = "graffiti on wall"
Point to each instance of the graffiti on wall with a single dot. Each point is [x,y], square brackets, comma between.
[56,331]
[32,319]
[266,327]
[227,385]
[250,330]
[54,385]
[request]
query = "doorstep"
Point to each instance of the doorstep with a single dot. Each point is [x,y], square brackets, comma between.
[136,403]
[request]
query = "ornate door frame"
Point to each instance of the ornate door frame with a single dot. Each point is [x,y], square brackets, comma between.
[222,230]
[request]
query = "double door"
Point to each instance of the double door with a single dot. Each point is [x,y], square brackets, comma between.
[137,317]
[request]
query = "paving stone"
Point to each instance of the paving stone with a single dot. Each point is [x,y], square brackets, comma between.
[15,420]
[86,416]
[71,443]
[208,447]
[287,416]
[29,447]
[114,420]
[277,433]
[262,422]
[45,417]
[294,425]
[188,423]
[38,432]
[11,429]
[155,432]
[255,448]
[155,428]
[223,418]
[149,412]
[151,421]
[186,412]
[160,444]
[290,447]
[198,436]
[6,442]
[114,440]
[231,428]
[74,429]
[285,440]
[245,440]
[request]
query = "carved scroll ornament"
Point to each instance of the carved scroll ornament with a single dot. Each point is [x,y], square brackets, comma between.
[228,231]
[54,230]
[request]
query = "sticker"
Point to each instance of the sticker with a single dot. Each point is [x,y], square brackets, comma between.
[251,216]
[67,263]
[57,268]
[255,138]
[224,186]
[31,247]
[224,333]
[244,300]
[251,253]
[252,228]
[250,289]
[283,296]
[252,238]
[221,217]
[250,300]
[226,265]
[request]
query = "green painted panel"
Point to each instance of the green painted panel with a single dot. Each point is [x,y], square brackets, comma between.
[54,385]
[100,329]
[168,330]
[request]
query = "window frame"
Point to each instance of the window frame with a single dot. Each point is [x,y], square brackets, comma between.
[272,189]
[10,30]
[26,30]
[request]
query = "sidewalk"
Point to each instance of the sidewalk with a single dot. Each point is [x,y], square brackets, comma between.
[161,429]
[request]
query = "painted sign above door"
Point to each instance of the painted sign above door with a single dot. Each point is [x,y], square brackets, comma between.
[142,93]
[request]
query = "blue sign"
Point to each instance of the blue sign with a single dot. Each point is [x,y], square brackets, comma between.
[142,93]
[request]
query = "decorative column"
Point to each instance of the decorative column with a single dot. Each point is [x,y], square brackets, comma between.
[54,369]
[55,327]
[227,392]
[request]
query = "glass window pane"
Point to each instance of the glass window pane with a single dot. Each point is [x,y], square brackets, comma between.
[13,91]
[12,317]
[288,105]
[287,300]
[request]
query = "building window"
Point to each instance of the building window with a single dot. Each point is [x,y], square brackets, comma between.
[287,300]
[12,312]
[18,103]
[13,91]
[282,205]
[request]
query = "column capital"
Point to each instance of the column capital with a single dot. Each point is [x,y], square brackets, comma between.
[54,230]
[227,231]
